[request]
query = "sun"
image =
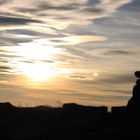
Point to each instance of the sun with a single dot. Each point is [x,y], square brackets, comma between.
[35,61]
[38,72]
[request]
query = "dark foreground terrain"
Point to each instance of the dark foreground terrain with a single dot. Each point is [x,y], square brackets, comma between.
[71,122]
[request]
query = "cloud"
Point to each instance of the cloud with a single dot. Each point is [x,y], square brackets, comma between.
[76,77]
[6,44]
[107,7]
[5,69]
[71,40]
[118,79]
[111,79]
[2,2]
[118,52]
[26,10]
[4,21]
[65,13]
[111,52]
[117,91]
[46,16]
[25,32]
[10,41]
[63,7]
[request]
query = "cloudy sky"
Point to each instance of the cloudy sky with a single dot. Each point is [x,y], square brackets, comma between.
[58,51]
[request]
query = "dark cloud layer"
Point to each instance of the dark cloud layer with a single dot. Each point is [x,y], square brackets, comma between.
[5,21]
[118,52]
[94,10]
[4,69]
[77,77]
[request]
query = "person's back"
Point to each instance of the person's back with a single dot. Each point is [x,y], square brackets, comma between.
[134,102]
[136,91]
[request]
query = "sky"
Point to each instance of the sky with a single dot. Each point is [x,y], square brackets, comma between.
[60,51]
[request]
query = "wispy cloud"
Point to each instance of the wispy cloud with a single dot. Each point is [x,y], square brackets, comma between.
[45,16]
[5,21]
[62,13]
[5,69]
[111,52]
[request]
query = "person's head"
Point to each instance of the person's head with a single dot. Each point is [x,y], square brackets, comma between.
[137,74]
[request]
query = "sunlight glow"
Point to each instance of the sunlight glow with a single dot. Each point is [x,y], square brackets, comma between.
[35,61]
[38,72]
[35,51]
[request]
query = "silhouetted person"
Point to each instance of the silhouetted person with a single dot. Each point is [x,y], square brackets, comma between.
[134,102]
[136,89]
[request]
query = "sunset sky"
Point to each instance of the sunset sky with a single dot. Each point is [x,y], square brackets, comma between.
[58,51]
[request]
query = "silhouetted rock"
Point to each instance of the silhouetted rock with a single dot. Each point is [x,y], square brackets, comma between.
[77,112]
[82,108]
[118,110]
[5,106]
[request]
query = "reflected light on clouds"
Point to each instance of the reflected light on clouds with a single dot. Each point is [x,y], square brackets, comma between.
[36,60]
[35,51]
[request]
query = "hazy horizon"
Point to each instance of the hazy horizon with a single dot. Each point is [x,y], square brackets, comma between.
[55,52]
